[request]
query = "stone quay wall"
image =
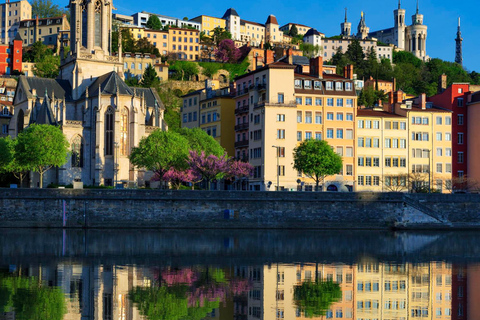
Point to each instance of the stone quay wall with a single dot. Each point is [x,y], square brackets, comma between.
[89,208]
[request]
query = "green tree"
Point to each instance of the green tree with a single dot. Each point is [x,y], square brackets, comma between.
[47,67]
[8,161]
[316,159]
[36,52]
[220,34]
[315,298]
[154,23]
[293,31]
[199,141]
[41,147]
[369,97]
[160,303]
[150,78]
[184,70]
[172,103]
[356,55]
[160,151]
[309,50]
[46,9]
[144,46]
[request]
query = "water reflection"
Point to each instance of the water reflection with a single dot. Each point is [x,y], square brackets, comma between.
[224,275]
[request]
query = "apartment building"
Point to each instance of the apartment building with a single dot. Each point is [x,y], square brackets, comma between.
[383,85]
[11,13]
[208,23]
[160,39]
[301,28]
[136,63]
[277,108]
[140,20]
[50,31]
[11,57]
[185,43]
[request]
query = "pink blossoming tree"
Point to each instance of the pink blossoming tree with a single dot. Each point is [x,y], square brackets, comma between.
[209,167]
[227,52]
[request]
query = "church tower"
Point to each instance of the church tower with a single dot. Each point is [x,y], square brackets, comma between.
[458,49]
[416,37]
[399,28]
[346,26]
[362,30]
[90,54]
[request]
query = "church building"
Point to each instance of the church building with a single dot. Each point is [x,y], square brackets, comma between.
[412,38]
[101,117]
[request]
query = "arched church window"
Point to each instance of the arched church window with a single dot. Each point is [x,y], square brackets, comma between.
[84,7]
[77,152]
[98,23]
[109,131]
[20,122]
[124,133]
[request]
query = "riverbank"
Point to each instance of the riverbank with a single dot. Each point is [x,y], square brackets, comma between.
[57,208]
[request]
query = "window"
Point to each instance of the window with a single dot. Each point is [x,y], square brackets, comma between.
[308,101]
[439,120]
[339,133]
[308,117]
[299,116]
[439,168]
[329,133]
[330,116]
[448,152]
[388,143]
[298,84]
[439,152]
[308,135]
[349,103]
[318,136]
[124,132]
[280,117]
[329,85]
[349,134]
[460,119]
[318,117]
[77,152]
[361,142]
[448,120]
[338,86]
[109,126]
[348,86]
[460,102]
[376,143]
[281,98]
[361,162]
[317,85]
[330,102]
[360,181]
[299,135]
[318,101]
[281,171]
[460,138]
[281,134]
[376,162]
[439,136]
[349,116]
[360,124]
[448,136]
[339,102]
[340,151]
[403,126]
[298,100]
[348,153]
[460,157]
[339,116]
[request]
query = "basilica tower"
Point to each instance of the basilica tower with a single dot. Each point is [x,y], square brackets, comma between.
[416,37]
[458,49]
[399,27]
[346,26]
[362,30]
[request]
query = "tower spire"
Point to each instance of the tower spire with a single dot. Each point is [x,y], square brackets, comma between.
[345,14]
[399,4]
[417,6]
[458,47]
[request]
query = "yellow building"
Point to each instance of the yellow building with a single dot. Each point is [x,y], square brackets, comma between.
[252,32]
[159,39]
[136,63]
[209,23]
[137,32]
[11,13]
[50,31]
[429,144]
[185,43]
[382,152]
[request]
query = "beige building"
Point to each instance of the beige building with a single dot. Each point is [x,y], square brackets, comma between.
[209,23]
[136,63]
[302,29]
[11,13]
[331,45]
[50,31]
[184,43]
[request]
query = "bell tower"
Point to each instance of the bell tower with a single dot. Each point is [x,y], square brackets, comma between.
[399,28]
[346,26]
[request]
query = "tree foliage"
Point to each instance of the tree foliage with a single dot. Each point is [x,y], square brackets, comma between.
[47,67]
[183,70]
[315,298]
[46,9]
[209,167]
[150,78]
[154,23]
[309,50]
[8,159]
[370,97]
[293,31]
[316,159]
[227,52]
[199,140]
[41,147]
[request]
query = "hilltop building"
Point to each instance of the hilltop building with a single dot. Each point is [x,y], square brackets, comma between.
[11,13]
[101,117]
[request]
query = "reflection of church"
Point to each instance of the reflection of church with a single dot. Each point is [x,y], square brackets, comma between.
[99,114]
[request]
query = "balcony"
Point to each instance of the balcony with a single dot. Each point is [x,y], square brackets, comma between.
[242,109]
[243,126]
[265,103]
[241,144]
[241,92]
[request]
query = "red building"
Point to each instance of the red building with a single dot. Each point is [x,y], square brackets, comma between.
[455,98]
[11,57]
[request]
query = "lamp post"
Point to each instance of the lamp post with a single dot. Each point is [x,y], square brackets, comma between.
[277,148]
[115,168]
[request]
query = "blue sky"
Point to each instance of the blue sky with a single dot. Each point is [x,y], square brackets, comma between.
[439,15]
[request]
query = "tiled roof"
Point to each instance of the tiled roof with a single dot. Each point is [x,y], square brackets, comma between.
[61,89]
[271,19]
[230,12]
[109,84]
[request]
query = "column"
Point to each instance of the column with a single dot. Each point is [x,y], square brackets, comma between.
[91,26]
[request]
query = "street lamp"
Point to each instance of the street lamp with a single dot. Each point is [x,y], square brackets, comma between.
[278,166]
[115,168]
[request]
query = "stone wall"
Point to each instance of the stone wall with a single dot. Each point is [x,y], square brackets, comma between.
[227,209]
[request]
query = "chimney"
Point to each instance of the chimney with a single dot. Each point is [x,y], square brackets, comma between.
[269,57]
[398,96]
[442,84]
[290,55]
[423,101]
[348,71]
[390,98]
[394,84]
[316,67]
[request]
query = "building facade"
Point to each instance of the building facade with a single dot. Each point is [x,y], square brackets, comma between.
[135,65]
[11,13]
[50,31]
[11,57]
[101,117]
[140,20]
[209,23]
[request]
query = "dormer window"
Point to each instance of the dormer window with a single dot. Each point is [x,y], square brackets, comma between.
[307,84]
[329,85]
[338,86]
[317,85]
[348,86]
[298,84]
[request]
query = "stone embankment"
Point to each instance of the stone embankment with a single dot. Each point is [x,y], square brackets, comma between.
[58,208]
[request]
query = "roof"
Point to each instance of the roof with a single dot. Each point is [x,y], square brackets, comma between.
[151,96]
[251,22]
[312,32]
[43,114]
[193,93]
[61,89]
[274,65]
[18,37]
[297,24]
[374,113]
[271,20]
[297,60]
[109,84]
[230,12]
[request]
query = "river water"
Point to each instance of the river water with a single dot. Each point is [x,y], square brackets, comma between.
[238,274]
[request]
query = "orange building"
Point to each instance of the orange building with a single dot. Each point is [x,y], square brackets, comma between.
[185,43]
[385,86]
[11,57]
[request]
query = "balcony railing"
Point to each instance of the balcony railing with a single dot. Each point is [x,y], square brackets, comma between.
[241,92]
[242,109]
[261,104]
[242,126]
[240,144]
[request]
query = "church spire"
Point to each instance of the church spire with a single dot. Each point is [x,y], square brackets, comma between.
[458,48]
[399,4]
[417,6]
[345,14]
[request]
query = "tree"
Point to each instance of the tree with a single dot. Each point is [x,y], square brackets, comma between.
[220,34]
[8,161]
[356,55]
[227,52]
[159,152]
[369,97]
[293,31]
[144,46]
[309,50]
[183,70]
[209,167]
[315,298]
[316,159]
[199,140]
[154,23]
[178,177]
[238,170]
[41,147]
[150,78]
[46,9]
[47,67]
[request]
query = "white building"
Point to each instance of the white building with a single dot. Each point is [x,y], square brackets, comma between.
[140,20]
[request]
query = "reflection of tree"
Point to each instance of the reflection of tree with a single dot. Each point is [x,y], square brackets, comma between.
[30,299]
[315,298]
[185,294]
